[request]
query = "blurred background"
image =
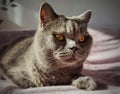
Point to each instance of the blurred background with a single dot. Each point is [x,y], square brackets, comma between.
[24,14]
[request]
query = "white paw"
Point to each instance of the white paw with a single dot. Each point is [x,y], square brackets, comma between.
[85,83]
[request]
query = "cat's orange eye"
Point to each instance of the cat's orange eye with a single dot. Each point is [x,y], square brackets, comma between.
[82,38]
[60,37]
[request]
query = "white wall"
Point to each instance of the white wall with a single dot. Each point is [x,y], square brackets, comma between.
[106,13]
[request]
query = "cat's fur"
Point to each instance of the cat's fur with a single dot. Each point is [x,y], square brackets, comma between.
[43,60]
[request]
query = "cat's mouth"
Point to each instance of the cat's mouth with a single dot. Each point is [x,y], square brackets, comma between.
[67,58]
[72,59]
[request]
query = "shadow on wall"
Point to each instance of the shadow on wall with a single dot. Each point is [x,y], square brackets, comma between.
[18,18]
[105,13]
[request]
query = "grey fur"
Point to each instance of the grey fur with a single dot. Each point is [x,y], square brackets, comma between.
[42,60]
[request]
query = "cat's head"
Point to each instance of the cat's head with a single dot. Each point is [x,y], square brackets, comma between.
[66,39]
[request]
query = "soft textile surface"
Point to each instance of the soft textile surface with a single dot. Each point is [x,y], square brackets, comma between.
[103,64]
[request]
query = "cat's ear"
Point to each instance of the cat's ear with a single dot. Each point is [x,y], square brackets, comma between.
[85,17]
[47,14]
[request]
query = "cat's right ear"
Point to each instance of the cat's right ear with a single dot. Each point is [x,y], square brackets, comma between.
[47,14]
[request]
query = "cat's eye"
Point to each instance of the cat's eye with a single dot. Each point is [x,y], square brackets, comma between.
[60,37]
[81,38]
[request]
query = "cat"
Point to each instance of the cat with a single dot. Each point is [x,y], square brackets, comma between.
[53,56]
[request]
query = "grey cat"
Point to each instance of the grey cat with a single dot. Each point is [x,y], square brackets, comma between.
[53,56]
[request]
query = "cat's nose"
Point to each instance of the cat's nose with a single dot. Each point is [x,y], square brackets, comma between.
[74,48]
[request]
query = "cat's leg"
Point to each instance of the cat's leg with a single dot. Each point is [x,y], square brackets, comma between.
[24,83]
[20,78]
[20,82]
[85,83]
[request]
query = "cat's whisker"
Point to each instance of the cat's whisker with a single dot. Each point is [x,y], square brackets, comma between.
[51,59]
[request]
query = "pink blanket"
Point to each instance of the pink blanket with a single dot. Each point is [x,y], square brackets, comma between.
[103,64]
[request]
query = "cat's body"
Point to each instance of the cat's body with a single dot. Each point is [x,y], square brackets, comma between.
[54,55]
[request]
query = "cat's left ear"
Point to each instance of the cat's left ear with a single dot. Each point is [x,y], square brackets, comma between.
[47,14]
[85,17]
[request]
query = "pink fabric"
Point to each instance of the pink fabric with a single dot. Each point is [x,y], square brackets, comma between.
[103,64]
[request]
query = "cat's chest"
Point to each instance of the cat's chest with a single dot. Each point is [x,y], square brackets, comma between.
[55,76]
[62,76]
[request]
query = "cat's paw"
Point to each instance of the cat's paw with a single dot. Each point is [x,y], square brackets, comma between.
[85,83]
